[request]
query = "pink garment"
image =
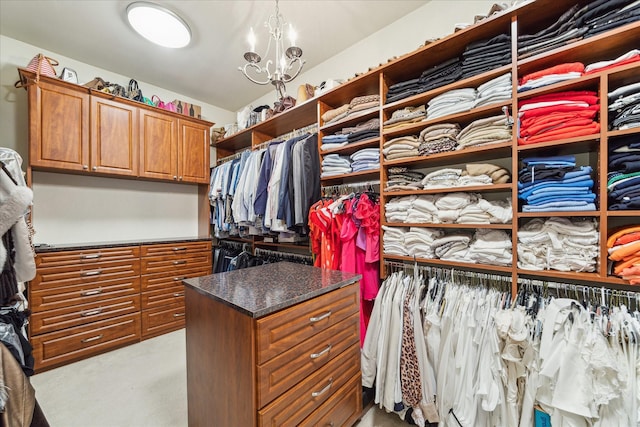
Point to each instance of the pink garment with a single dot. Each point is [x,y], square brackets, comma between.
[348,239]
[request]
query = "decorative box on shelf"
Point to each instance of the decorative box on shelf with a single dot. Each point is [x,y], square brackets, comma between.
[187,108]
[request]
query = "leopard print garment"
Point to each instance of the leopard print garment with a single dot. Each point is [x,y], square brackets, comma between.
[410,382]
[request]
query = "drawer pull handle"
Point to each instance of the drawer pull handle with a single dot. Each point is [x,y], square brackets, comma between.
[316,355]
[319,318]
[324,390]
[93,256]
[91,312]
[179,262]
[178,294]
[177,279]
[180,249]
[91,273]
[178,314]
[97,337]
[91,292]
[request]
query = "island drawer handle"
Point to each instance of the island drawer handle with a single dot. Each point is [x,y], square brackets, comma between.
[324,390]
[319,318]
[179,262]
[178,294]
[91,292]
[316,355]
[94,256]
[91,273]
[180,249]
[178,314]
[177,279]
[97,337]
[91,312]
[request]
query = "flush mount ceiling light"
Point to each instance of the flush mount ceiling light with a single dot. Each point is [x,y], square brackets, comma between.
[158,24]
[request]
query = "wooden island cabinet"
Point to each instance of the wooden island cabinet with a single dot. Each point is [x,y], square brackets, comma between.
[274,345]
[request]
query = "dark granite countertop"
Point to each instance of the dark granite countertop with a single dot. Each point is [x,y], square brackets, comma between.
[262,290]
[98,245]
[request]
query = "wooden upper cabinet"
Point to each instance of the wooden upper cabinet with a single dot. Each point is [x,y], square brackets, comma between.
[193,152]
[114,137]
[158,145]
[58,127]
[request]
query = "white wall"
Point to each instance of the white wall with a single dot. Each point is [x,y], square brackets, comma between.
[77,208]
[436,19]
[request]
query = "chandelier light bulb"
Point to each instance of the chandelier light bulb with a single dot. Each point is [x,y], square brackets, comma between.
[292,35]
[251,38]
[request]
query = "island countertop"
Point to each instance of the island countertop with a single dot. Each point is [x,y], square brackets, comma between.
[258,291]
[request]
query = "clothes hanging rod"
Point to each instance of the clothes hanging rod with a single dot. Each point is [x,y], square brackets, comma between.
[261,251]
[292,134]
[231,157]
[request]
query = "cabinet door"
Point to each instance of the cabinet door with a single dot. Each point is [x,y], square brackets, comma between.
[158,145]
[58,127]
[193,153]
[114,137]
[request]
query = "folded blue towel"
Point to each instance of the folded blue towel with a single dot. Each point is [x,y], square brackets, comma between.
[577,198]
[578,208]
[523,193]
[550,161]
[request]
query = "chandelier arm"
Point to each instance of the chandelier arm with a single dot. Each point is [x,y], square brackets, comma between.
[300,62]
[259,70]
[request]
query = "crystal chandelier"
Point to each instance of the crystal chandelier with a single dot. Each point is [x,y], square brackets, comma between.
[286,64]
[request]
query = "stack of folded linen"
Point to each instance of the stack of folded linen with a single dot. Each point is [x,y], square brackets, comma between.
[495,90]
[558,115]
[401,147]
[365,159]
[559,243]
[604,15]
[491,247]
[458,208]
[452,247]
[550,184]
[488,130]
[405,116]
[331,142]
[485,55]
[397,209]
[439,75]
[624,107]
[403,89]
[438,138]
[624,251]
[473,174]
[402,178]
[358,105]
[551,75]
[335,164]
[451,102]
[418,241]
[393,240]
[362,131]
[335,115]
[623,180]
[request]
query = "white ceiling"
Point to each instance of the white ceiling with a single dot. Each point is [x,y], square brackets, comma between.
[95,32]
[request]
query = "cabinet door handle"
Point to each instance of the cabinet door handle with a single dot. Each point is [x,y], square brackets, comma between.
[85,340]
[177,279]
[85,167]
[324,390]
[178,314]
[91,273]
[92,256]
[178,294]
[320,353]
[179,262]
[319,318]
[91,312]
[180,249]
[91,292]
[180,178]
[95,168]
[175,177]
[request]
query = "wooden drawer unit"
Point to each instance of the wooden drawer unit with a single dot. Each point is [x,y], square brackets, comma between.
[289,368]
[306,396]
[87,256]
[163,268]
[84,274]
[161,320]
[296,366]
[284,329]
[58,348]
[66,317]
